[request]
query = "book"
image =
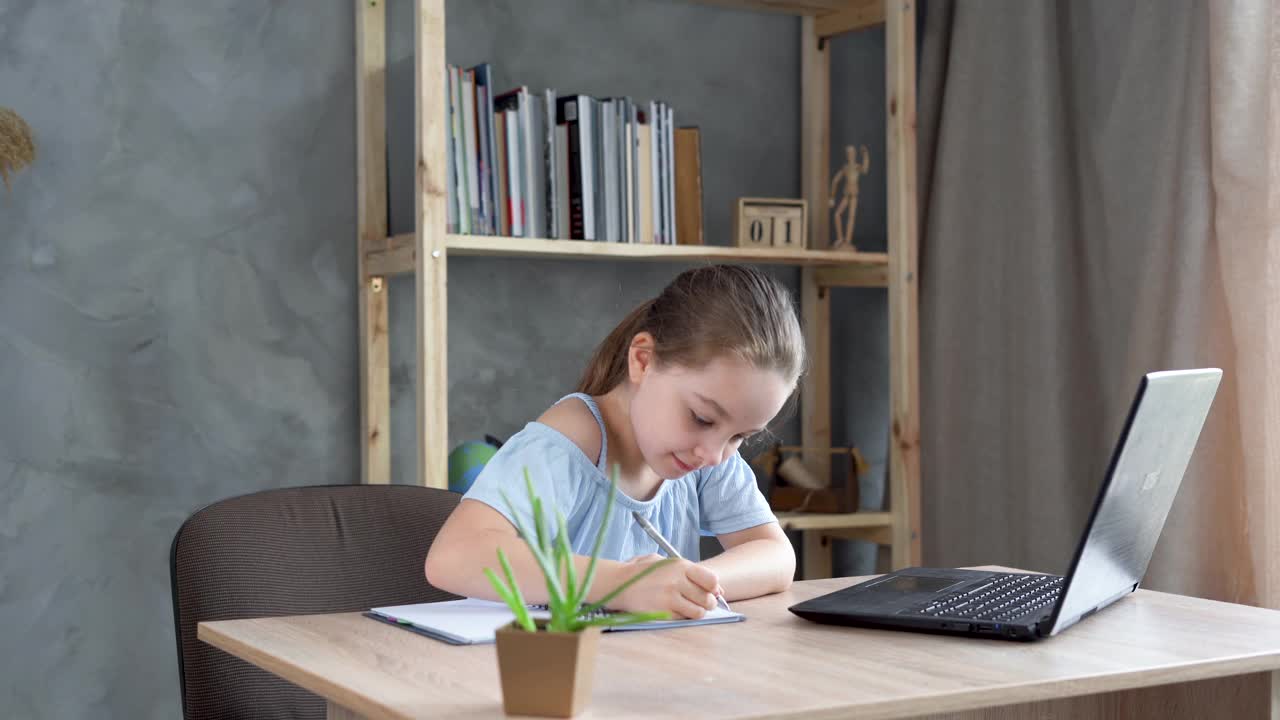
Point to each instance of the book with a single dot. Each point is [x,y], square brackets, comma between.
[549,163]
[504,174]
[486,150]
[596,144]
[532,124]
[458,138]
[688,190]
[514,104]
[574,112]
[644,203]
[633,162]
[471,159]
[655,163]
[609,170]
[472,621]
[515,178]
[562,208]
[669,169]
[451,171]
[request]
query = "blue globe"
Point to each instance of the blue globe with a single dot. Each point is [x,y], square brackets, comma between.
[465,463]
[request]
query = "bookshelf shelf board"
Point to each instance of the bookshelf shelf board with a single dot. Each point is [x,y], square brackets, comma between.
[832,17]
[398,257]
[794,7]
[585,249]
[822,521]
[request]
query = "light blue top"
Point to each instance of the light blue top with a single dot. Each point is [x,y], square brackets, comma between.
[719,499]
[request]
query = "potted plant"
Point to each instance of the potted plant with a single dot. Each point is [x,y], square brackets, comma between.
[546,665]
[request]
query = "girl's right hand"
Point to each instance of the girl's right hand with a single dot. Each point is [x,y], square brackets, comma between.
[683,588]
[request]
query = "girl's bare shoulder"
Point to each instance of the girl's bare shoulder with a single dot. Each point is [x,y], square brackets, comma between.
[573,419]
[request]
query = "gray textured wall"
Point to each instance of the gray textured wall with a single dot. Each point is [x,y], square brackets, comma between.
[177,315]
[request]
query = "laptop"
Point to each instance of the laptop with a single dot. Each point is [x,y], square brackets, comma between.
[1128,514]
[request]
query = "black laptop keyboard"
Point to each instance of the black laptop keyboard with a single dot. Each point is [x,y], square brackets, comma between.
[1003,598]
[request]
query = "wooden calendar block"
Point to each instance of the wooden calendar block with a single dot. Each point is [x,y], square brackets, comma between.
[771,222]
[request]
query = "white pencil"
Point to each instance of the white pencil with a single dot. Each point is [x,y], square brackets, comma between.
[668,548]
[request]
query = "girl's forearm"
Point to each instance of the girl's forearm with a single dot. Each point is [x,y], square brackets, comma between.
[458,568]
[754,568]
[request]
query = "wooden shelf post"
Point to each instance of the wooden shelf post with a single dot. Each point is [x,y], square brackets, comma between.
[430,214]
[904,329]
[371,223]
[815,300]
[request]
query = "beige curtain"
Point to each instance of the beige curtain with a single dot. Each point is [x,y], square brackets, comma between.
[1099,185]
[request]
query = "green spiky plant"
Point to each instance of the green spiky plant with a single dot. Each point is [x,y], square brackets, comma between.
[566,596]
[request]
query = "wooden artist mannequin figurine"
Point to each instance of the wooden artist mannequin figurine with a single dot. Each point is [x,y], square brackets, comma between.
[849,199]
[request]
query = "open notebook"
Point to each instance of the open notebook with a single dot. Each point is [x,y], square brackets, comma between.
[471,621]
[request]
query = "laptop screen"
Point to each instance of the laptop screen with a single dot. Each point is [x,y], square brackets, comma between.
[1146,469]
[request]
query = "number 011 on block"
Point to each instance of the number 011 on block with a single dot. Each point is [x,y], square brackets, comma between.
[771,222]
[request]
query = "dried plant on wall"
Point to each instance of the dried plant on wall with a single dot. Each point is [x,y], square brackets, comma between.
[17,148]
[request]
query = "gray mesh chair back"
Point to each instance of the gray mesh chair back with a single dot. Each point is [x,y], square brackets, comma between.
[292,551]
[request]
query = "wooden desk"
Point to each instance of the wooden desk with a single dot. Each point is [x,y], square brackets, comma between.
[1149,655]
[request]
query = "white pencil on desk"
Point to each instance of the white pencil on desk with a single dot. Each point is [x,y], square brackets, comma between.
[669,549]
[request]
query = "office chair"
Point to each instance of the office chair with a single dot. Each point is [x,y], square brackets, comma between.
[292,551]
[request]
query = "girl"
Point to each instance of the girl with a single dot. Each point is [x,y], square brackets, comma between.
[667,398]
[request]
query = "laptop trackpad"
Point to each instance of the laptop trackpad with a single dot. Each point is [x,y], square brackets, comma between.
[892,594]
[910,584]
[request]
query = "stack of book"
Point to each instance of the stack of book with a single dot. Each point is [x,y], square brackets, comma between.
[572,167]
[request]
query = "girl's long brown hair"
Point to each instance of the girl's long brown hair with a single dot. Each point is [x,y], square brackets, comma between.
[704,313]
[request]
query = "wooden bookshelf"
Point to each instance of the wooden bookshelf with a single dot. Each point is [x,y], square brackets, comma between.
[425,254]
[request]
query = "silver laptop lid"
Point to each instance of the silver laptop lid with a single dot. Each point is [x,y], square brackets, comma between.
[1137,492]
